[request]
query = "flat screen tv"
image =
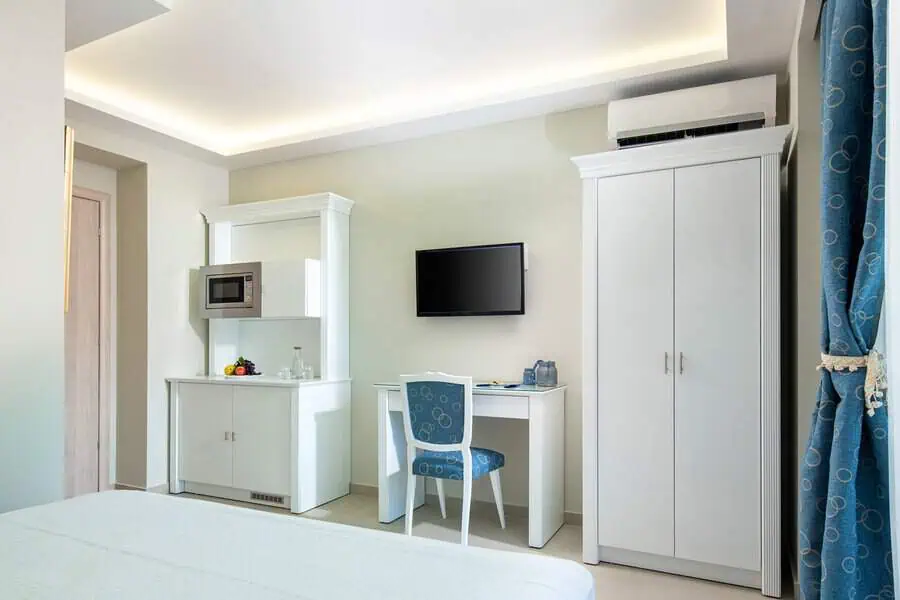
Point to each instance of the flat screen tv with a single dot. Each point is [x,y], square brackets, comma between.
[471,281]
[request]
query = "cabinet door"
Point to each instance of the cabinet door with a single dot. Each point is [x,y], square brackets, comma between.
[634,385]
[291,289]
[717,396]
[262,439]
[204,418]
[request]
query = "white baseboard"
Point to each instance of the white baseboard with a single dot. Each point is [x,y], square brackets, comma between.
[677,566]
[156,489]
[125,486]
[361,489]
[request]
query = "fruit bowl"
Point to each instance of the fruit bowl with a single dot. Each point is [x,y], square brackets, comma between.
[242,367]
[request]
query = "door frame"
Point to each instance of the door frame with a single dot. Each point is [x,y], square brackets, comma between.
[107,384]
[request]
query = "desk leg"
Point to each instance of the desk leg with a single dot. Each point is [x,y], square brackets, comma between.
[546,466]
[392,469]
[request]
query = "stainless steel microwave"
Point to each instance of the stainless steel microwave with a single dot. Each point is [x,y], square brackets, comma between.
[231,291]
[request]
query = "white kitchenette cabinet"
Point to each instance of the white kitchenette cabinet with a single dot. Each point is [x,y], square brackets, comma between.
[267,440]
[205,424]
[261,438]
[264,439]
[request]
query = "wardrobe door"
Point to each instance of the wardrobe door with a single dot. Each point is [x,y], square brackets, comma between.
[635,380]
[717,386]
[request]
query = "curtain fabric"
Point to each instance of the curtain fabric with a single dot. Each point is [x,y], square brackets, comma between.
[845,544]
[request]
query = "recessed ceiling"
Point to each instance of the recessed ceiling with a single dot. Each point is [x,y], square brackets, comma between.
[245,76]
[89,20]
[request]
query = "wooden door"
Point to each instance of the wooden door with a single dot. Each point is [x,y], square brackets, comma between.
[634,363]
[262,439]
[205,425]
[82,335]
[717,396]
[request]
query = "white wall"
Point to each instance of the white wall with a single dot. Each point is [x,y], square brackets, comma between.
[270,343]
[177,188]
[96,177]
[808,150]
[131,355]
[502,183]
[803,250]
[282,240]
[32,38]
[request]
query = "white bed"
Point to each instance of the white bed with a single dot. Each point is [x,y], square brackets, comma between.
[143,546]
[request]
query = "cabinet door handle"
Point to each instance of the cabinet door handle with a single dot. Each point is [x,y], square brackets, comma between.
[681,363]
[227,436]
[666,363]
[233,436]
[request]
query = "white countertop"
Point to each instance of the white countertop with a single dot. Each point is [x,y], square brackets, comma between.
[267,380]
[520,390]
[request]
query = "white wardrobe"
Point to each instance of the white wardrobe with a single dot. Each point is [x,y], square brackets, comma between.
[681,357]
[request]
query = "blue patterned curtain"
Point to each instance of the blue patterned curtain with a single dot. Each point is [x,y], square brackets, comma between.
[845,539]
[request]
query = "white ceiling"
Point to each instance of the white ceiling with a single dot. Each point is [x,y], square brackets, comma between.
[89,20]
[260,80]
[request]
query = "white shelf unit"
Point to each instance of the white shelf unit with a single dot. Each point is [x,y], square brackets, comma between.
[681,284]
[331,307]
[266,440]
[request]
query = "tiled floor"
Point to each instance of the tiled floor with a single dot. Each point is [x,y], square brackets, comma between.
[613,582]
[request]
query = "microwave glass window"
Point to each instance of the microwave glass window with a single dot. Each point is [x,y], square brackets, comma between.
[226,290]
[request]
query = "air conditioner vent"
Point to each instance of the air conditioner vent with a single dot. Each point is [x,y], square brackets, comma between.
[694,132]
[267,498]
[693,112]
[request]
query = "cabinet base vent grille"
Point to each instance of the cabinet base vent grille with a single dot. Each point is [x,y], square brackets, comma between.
[267,498]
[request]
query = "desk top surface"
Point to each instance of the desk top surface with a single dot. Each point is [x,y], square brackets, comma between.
[520,390]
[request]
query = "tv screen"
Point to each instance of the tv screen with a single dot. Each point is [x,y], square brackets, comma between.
[477,280]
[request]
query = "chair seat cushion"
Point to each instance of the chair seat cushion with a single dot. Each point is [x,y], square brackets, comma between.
[449,465]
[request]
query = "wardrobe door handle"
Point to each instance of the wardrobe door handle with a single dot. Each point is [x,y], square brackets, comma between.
[666,363]
[233,436]
[681,363]
[227,436]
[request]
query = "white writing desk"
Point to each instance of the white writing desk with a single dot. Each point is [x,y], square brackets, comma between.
[543,408]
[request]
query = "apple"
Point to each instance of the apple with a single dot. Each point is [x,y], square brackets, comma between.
[240,371]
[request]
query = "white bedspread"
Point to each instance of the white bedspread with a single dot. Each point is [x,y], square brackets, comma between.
[143,546]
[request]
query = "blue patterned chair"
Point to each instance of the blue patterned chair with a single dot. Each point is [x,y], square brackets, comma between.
[437,418]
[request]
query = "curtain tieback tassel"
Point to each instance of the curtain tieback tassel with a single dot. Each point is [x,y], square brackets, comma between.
[876,374]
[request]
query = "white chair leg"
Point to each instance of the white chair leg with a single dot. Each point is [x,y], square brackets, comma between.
[498,496]
[410,501]
[441,498]
[466,507]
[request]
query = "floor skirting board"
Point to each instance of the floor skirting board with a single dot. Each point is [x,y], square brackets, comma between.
[125,486]
[157,489]
[678,566]
[512,510]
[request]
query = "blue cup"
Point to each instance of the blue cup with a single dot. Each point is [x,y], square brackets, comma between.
[528,377]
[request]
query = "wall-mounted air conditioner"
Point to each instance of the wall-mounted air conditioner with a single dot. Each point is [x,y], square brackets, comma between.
[693,112]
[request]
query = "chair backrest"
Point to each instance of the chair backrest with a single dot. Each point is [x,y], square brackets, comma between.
[437,411]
